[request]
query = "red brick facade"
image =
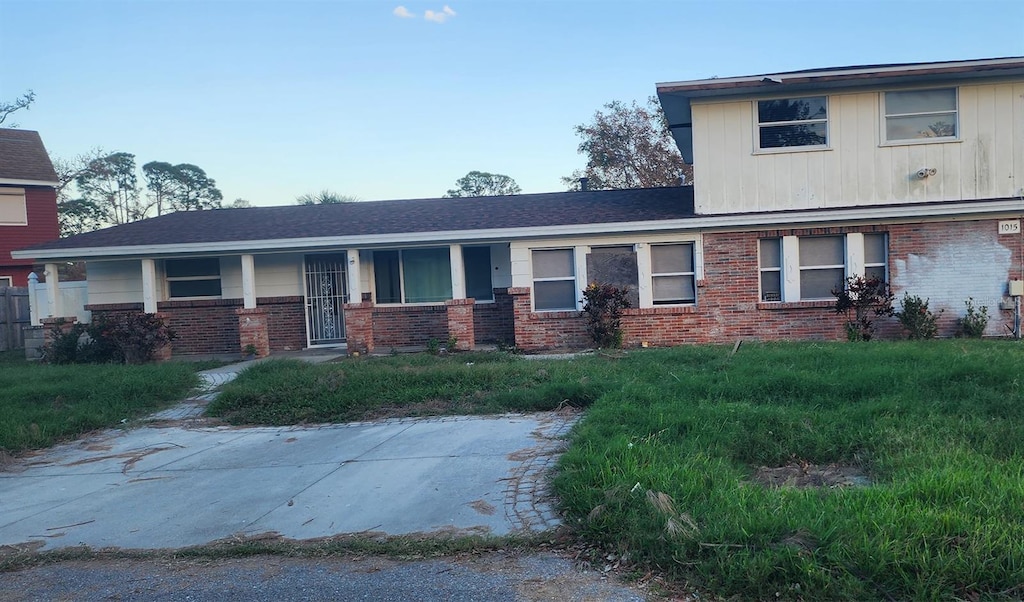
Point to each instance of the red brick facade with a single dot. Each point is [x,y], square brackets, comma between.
[460,323]
[409,326]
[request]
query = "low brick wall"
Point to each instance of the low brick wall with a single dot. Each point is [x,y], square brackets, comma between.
[493,321]
[409,325]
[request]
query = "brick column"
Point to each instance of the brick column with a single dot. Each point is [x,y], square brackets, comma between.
[521,311]
[163,353]
[252,330]
[64,325]
[359,327]
[460,323]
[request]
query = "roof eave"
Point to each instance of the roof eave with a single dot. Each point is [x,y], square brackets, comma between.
[23,182]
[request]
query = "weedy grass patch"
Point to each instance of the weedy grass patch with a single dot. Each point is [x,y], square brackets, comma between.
[41,404]
[661,469]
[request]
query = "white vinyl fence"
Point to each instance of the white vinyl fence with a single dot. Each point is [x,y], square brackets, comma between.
[73,298]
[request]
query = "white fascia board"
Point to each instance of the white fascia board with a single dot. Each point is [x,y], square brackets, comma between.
[733,221]
[17,182]
[918,68]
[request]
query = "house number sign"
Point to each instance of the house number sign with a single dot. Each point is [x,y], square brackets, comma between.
[1009,226]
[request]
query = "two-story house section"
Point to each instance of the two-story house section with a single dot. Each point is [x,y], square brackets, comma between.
[28,201]
[914,172]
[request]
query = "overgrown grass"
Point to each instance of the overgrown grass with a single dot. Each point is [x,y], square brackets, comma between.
[290,391]
[660,469]
[41,404]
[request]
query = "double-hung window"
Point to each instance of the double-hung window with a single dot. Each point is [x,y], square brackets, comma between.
[770,264]
[913,115]
[554,280]
[412,275]
[192,278]
[672,274]
[822,266]
[792,122]
[876,257]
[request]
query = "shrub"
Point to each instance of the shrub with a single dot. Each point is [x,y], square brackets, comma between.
[80,344]
[860,300]
[128,338]
[602,307]
[973,323]
[917,319]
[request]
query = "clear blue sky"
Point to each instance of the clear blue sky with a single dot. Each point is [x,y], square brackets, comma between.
[278,98]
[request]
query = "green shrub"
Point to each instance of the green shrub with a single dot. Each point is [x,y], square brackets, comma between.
[130,338]
[602,307]
[80,344]
[915,317]
[860,300]
[972,324]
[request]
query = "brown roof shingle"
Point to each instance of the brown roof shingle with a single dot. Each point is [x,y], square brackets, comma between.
[393,217]
[23,156]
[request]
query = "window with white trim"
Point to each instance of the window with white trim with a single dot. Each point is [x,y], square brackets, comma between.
[554,280]
[13,209]
[412,275]
[770,266]
[913,115]
[192,278]
[822,262]
[6,281]
[792,122]
[673,278]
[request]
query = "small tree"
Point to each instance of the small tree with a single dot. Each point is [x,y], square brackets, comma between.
[860,300]
[602,307]
[917,319]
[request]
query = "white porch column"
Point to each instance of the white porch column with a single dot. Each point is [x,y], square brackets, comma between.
[53,304]
[458,272]
[149,295]
[354,274]
[248,282]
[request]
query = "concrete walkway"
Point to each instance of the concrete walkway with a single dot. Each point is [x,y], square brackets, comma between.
[178,481]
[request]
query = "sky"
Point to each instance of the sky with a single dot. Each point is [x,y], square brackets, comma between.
[398,99]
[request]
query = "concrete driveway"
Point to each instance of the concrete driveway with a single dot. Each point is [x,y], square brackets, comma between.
[182,483]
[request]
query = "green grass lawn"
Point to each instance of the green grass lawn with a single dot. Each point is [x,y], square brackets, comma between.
[41,404]
[661,467]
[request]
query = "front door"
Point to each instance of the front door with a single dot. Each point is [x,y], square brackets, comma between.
[326,294]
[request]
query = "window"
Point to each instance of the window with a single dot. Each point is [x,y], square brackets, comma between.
[822,266]
[6,281]
[789,122]
[554,280]
[770,262]
[187,278]
[920,115]
[876,263]
[616,266]
[476,262]
[12,207]
[822,262]
[412,275]
[672,274]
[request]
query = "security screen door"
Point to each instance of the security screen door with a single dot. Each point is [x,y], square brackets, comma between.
[326,294]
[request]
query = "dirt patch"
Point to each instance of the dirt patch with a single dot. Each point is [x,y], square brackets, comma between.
[802,474]
[482,507]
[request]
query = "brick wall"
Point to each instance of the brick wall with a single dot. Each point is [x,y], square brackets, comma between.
[493,321]
[286,322]
[945,261]
[409,325]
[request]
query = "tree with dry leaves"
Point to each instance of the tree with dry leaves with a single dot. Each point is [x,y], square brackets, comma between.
[629,146]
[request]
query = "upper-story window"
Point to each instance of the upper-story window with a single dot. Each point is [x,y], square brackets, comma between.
[920,115]
[792,122]
[13,211]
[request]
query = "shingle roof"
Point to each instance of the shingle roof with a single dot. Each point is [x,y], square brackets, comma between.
[23,157]
[392,217]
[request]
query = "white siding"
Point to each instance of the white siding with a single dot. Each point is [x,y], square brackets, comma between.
[276,275]
[986,162]
[114,281]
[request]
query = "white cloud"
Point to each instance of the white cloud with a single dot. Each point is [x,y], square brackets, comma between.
[403,12]
[439,16]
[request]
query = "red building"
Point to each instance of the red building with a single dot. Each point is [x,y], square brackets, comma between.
[28,201]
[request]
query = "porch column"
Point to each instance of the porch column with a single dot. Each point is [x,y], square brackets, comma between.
[458,272]
[53,304]
[460,323]
[354,274]
[248,283]
[149,286]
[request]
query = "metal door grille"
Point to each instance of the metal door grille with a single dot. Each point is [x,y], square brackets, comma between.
[326,294]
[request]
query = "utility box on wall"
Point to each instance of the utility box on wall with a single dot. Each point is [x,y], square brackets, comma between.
[1016,288]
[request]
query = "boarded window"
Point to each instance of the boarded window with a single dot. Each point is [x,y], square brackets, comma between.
[616,266]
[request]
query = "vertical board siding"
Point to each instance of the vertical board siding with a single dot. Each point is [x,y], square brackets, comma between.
[987,162]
